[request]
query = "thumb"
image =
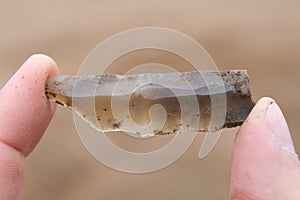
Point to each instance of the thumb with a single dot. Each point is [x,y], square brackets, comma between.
[264,163]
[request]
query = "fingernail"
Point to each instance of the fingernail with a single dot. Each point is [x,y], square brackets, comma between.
[279,128]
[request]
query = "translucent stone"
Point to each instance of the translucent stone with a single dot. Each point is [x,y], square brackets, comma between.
[155,103]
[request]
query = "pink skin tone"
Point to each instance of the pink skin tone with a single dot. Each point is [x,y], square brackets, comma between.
[264,162]
[25,114]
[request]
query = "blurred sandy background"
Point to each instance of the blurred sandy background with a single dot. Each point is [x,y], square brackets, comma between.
[261,36]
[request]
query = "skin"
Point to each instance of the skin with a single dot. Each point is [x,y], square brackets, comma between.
[264,162]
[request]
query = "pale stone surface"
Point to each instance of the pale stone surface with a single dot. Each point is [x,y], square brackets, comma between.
[129,103]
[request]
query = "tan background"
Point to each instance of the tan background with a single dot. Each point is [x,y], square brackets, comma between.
[261,36]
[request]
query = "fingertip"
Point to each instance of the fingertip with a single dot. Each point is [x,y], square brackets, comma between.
[267,118]
[42,61]
[265,100]
[258,159]
[33,75]
[25,111]
[259,110]
[42,58]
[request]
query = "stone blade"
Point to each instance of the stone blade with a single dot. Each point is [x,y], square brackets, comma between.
[91,96]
